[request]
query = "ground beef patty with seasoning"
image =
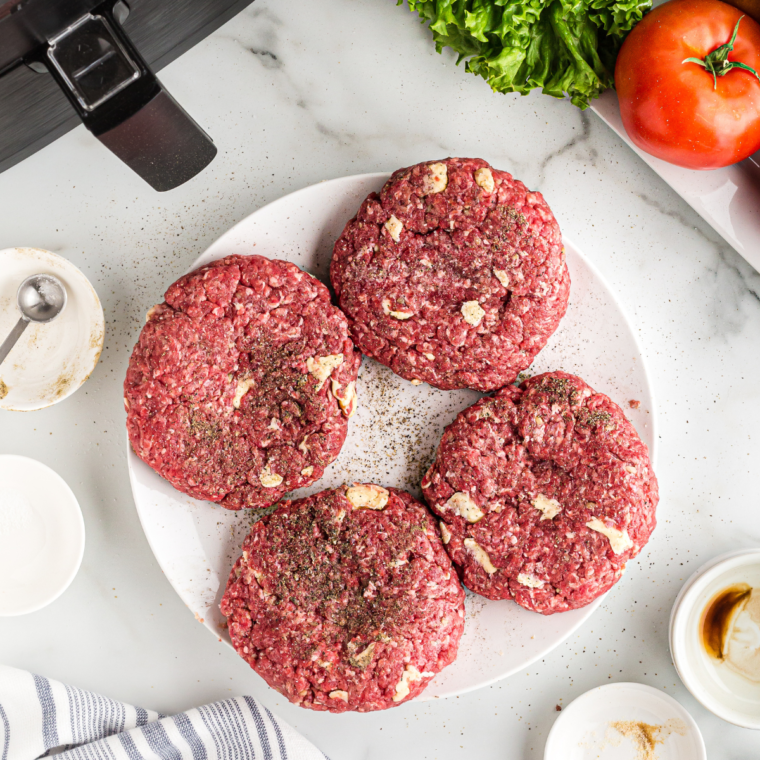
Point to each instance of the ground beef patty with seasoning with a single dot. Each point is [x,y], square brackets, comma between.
[453,275]
[545,491]
[242,382]
[346,600]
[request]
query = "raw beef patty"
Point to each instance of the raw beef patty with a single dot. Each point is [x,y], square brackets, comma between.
[242,382]
[544,491]
[346,600]
[453,275]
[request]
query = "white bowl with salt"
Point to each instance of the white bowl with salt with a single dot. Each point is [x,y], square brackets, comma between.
[41,535]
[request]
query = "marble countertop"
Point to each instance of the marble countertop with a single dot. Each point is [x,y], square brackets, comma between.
[301,92]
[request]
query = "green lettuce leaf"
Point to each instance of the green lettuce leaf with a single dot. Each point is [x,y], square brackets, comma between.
[564,47]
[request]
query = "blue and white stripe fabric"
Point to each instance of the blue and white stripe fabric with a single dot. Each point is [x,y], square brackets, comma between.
[40,717]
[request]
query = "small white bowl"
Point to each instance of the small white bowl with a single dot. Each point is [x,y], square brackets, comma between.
[41,535]
[50,361]
[585,729]
[720,690]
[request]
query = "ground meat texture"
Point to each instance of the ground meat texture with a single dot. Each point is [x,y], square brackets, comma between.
[346,600]
[453,275]
[241,384]
[544,491]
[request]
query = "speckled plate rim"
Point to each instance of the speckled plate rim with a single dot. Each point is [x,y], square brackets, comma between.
[679,616]
[210,254]
[644,692]
[97,319]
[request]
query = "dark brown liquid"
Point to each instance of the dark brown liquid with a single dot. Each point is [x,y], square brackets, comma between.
[717,615]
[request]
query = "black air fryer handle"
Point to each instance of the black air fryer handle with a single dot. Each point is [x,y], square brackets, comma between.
[122,103]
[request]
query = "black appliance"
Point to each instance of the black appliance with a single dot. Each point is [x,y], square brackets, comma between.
[66,61]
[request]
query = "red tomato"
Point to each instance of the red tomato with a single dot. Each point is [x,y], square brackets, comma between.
[674,110]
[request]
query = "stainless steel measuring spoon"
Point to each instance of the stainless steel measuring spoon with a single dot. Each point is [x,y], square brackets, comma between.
[40,298]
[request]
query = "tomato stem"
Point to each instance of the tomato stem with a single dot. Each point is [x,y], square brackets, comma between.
[717,63]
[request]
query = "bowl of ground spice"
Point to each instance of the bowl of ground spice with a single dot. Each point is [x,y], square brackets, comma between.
[625,720]
[50,361]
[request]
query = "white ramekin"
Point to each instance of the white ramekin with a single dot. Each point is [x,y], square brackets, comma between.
[728,695]
[585,729]
[42,537]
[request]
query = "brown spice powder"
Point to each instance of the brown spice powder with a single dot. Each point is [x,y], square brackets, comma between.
[645,736]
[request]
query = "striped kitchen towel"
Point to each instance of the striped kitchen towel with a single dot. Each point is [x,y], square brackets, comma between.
[40,717]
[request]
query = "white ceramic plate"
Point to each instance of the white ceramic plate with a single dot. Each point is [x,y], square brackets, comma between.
[50,361]
[41,535]
[728,695]
[393,436]
[603,724]
[727,199]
